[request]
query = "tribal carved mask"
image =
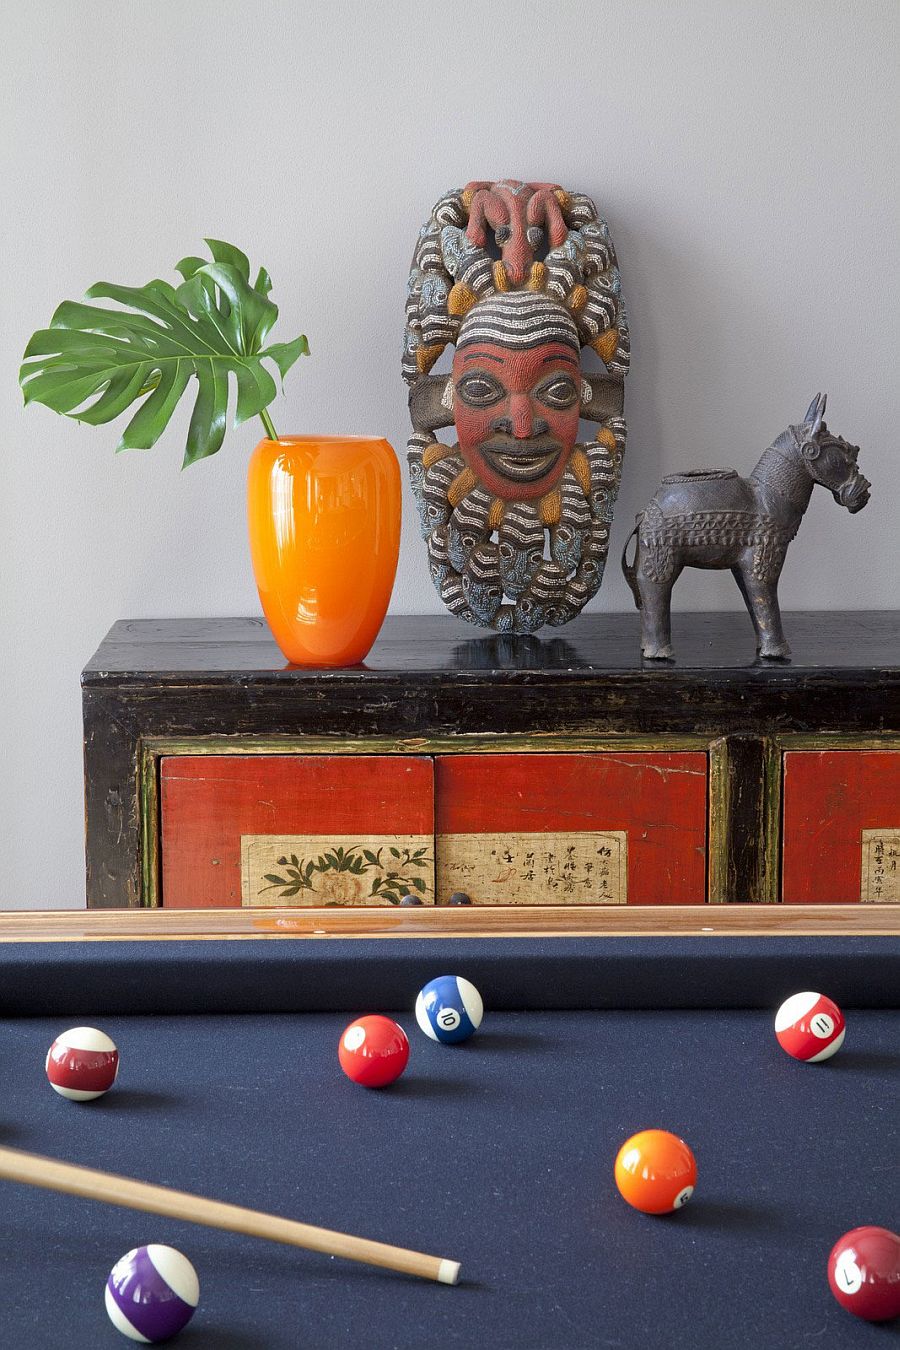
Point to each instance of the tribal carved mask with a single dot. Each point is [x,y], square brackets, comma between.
[516,514]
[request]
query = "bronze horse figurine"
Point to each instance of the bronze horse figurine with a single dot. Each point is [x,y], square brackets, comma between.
[713,518]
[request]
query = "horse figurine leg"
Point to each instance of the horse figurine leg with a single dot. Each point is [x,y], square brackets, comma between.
[653,599]
[761,598]
[656,616]
[739,578]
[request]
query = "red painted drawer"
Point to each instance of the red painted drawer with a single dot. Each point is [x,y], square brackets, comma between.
[841,826]
[574,828]
[295,829]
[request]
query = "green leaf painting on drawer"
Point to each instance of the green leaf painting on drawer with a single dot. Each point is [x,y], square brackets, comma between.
[377,872]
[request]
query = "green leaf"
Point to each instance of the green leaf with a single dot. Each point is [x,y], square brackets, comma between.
[162,288]
[50,341]
[152,418]
[121,391]
[199,297]
[94,362]
[256,313]
[207,427]
[227,253]
[395,852]
[67,387]
[172,321]
[418,883]
[256,390]
[71,315]
[276,881]
[188,266]
[284,354]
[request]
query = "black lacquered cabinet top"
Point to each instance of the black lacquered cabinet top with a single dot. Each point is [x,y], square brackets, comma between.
[863,644]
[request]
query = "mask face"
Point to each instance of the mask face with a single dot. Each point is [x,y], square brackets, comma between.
[516,415]
[519,278]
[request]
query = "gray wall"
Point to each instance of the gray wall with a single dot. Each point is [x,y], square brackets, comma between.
[744,153]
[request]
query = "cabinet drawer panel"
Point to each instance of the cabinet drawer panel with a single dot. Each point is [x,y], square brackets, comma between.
[572,828]
[841,826]
[295,829]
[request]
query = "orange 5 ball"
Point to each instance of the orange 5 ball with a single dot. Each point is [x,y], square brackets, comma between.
[656,1172]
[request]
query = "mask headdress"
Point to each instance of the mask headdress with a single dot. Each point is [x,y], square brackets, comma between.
[519,278]
[518,320]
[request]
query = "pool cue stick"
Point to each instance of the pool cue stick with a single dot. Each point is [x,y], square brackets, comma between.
[52,1175]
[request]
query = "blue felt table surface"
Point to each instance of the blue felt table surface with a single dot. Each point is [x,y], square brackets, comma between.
[497,1153]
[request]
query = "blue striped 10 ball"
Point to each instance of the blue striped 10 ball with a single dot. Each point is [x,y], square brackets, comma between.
[449,1009]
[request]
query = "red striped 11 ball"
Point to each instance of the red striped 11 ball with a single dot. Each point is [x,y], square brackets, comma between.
[82,1064]
[864,1273]
[373,1051]
[449,1009]
[152,1293]
[809,1027]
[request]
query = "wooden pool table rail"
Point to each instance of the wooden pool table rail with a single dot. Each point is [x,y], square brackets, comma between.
[107,925]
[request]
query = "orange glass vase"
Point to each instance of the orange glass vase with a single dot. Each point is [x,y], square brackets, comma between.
[324,518]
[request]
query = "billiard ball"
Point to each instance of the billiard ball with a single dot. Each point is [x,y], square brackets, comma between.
[809,1027]
[449,1009]
[459,898]
[373,1051]
[152,1293]
[82,1064]
[864,1273]
[655,1172]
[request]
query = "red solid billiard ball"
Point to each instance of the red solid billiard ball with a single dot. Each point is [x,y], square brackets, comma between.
[809,1027]
[82,1064]
[373,1051]
[864,1273]
[655,1172]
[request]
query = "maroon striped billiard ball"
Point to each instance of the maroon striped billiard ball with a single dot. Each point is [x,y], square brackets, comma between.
[82,1064]
[864,1273]
[809,1027]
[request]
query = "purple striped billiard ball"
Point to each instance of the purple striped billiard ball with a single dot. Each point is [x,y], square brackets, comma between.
[152,1293]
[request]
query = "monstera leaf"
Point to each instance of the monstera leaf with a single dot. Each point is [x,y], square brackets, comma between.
[92,363]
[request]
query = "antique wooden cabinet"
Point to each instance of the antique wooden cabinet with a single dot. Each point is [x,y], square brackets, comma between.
[557,770]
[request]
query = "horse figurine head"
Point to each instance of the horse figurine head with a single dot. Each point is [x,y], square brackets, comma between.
[828,459]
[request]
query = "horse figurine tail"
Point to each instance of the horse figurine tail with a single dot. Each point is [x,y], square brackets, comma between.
[630,569]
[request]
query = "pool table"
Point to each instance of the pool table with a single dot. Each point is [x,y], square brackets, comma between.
[497,1153]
